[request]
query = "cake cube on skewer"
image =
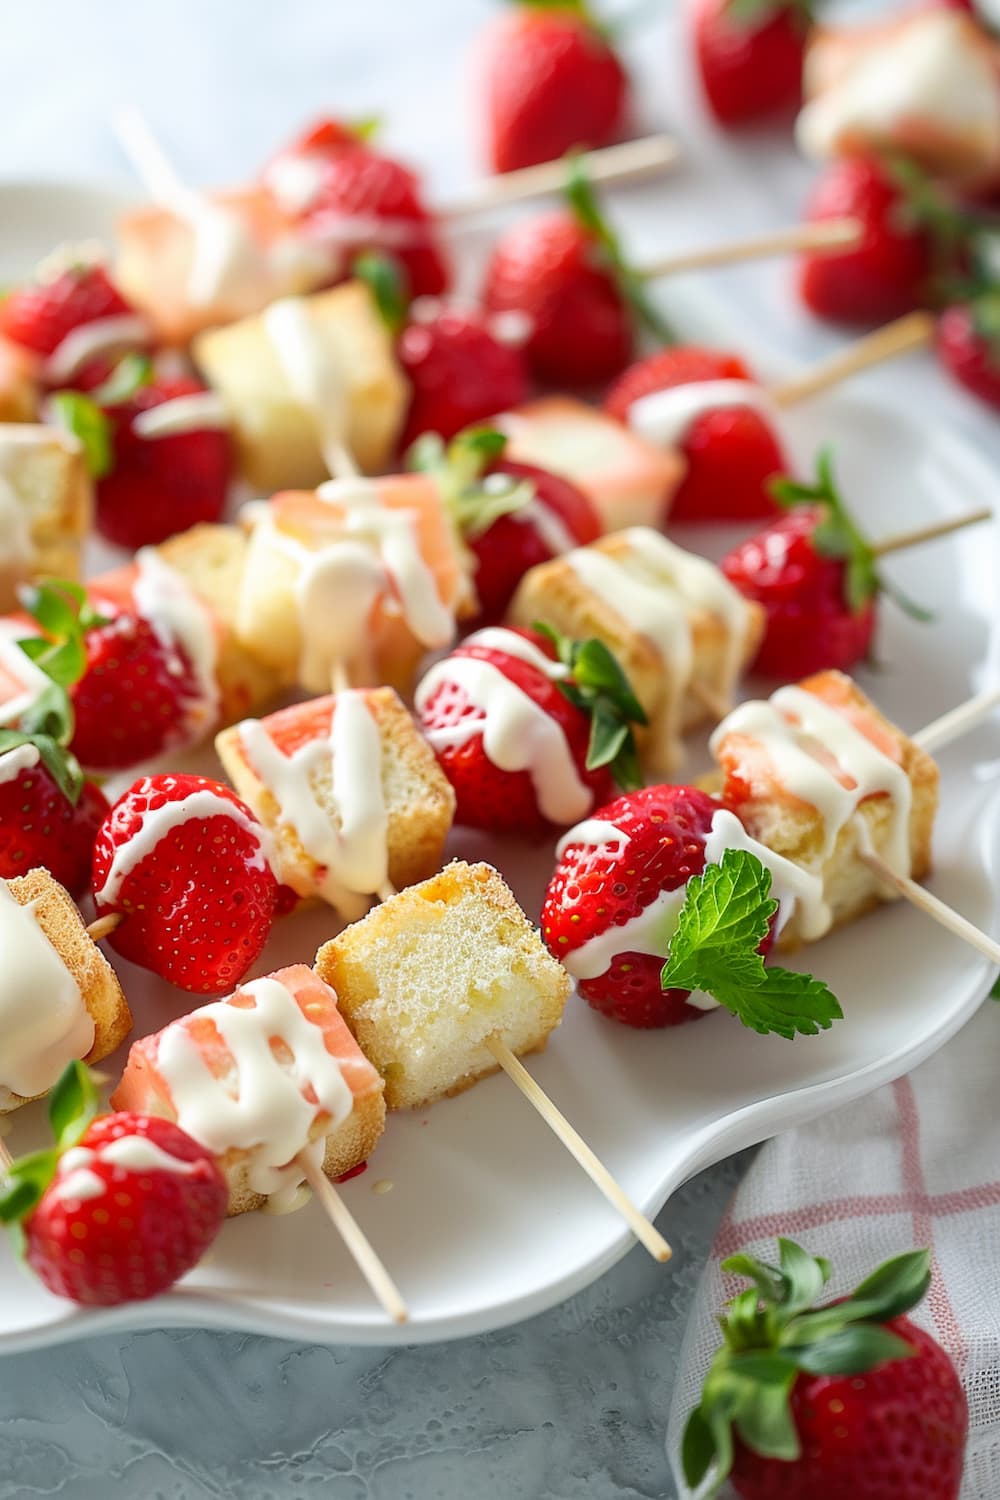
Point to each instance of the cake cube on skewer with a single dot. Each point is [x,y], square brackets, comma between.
[351,791]
[430,975]
[680,630]
[46,506]
[259,1079]
[362,576]
[630,480]
[19,392]
[59,997]
[305,366]
[815,773]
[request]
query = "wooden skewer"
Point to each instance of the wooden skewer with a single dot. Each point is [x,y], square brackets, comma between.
[830,234]
[932,906]
[632,161]
[641,1227]
[354,1237]
[903,539]
[103,925]
[914,331]
[957,721]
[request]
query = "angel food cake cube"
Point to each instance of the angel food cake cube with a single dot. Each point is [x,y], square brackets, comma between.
[258,1079]
[362,576]
[59,996]
[19,393]
[427,977]
[46,506]
[674,622]
[351,791]
[305,368]
[631,481]
[813,773]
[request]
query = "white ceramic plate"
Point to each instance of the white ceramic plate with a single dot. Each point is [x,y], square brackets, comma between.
[488,1220]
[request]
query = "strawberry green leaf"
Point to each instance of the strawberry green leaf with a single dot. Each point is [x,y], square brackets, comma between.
[895,1288]
[129,375]
[73,1103]
[365,129]
[698,1449]
[82,416]
[474,499]
[764,1418]
[24,1184]
[65,615]
[805,1276]
[853,1351]
[61,764]
[386,280]
[754,14]
[725,917]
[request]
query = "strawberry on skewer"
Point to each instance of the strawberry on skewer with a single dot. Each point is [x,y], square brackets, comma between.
[49,815]
[815,1401]
[119,1209]
[749,55]
[182,863]
[72,318]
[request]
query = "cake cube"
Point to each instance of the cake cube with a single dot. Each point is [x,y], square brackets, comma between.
[351,369]
[351,791]
[815,772]
[631,481]
[59,997]
[46,506]
[19,392]
[680,630]
[427,977]
[259,1079]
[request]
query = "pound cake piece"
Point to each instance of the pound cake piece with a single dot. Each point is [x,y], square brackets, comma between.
[680,630]
[59,997]
[259,1079]
[305,368]
[631,481]
[46,506]
[433,972]
[19,392]
[351,791]
[815,771]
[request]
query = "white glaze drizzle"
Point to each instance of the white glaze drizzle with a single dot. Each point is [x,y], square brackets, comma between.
[159,821]
[44,1021]
[517,734]
[181,622]
[91,340]
[21,758]
[260,1105]
[351,846]
[666,417]
[310,364]
[132,1153]
[550,526]
[496,638]
[199,411]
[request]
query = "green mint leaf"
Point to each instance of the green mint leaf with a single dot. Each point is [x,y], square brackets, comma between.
[129,375]
[895,1288]
[595,666]
[786,1003]
[599,687]
[564,644]
[853,1351]
[386,280]
[608,734]
[73,1103]
[82,416]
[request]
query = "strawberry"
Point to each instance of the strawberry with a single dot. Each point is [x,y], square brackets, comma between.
[816,576]
[120,1209]
[130,693]
[732,451]
[182,859]
[549,81]
[510,515]
[48,814]
[968,345]
[911,234]
[42,313]
[848,1398]
[565,271]
[459,372]
[149,486]
[749,56]
[496,750]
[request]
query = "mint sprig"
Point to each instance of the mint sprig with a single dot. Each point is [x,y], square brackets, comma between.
[582,199]
[73,1104]
[773,1333]
[599,687]
[725,917]
[837,535]
[474,499]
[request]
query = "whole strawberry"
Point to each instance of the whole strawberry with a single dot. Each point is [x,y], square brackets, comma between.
[749,55]
[182,860]
[530,729]
[120,1208]
[732,451]
[565,272]
[158,449]
[817,577]
[910,234]
[49,815]
[510,515]
[846,1400]
[968,345]
[660,907]
[549,80]
[459,371]
[68,295]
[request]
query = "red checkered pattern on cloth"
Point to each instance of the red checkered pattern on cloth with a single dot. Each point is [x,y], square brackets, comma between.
[916,1164]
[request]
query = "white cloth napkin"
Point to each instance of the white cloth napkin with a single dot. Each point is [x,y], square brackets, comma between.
[915,1165]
